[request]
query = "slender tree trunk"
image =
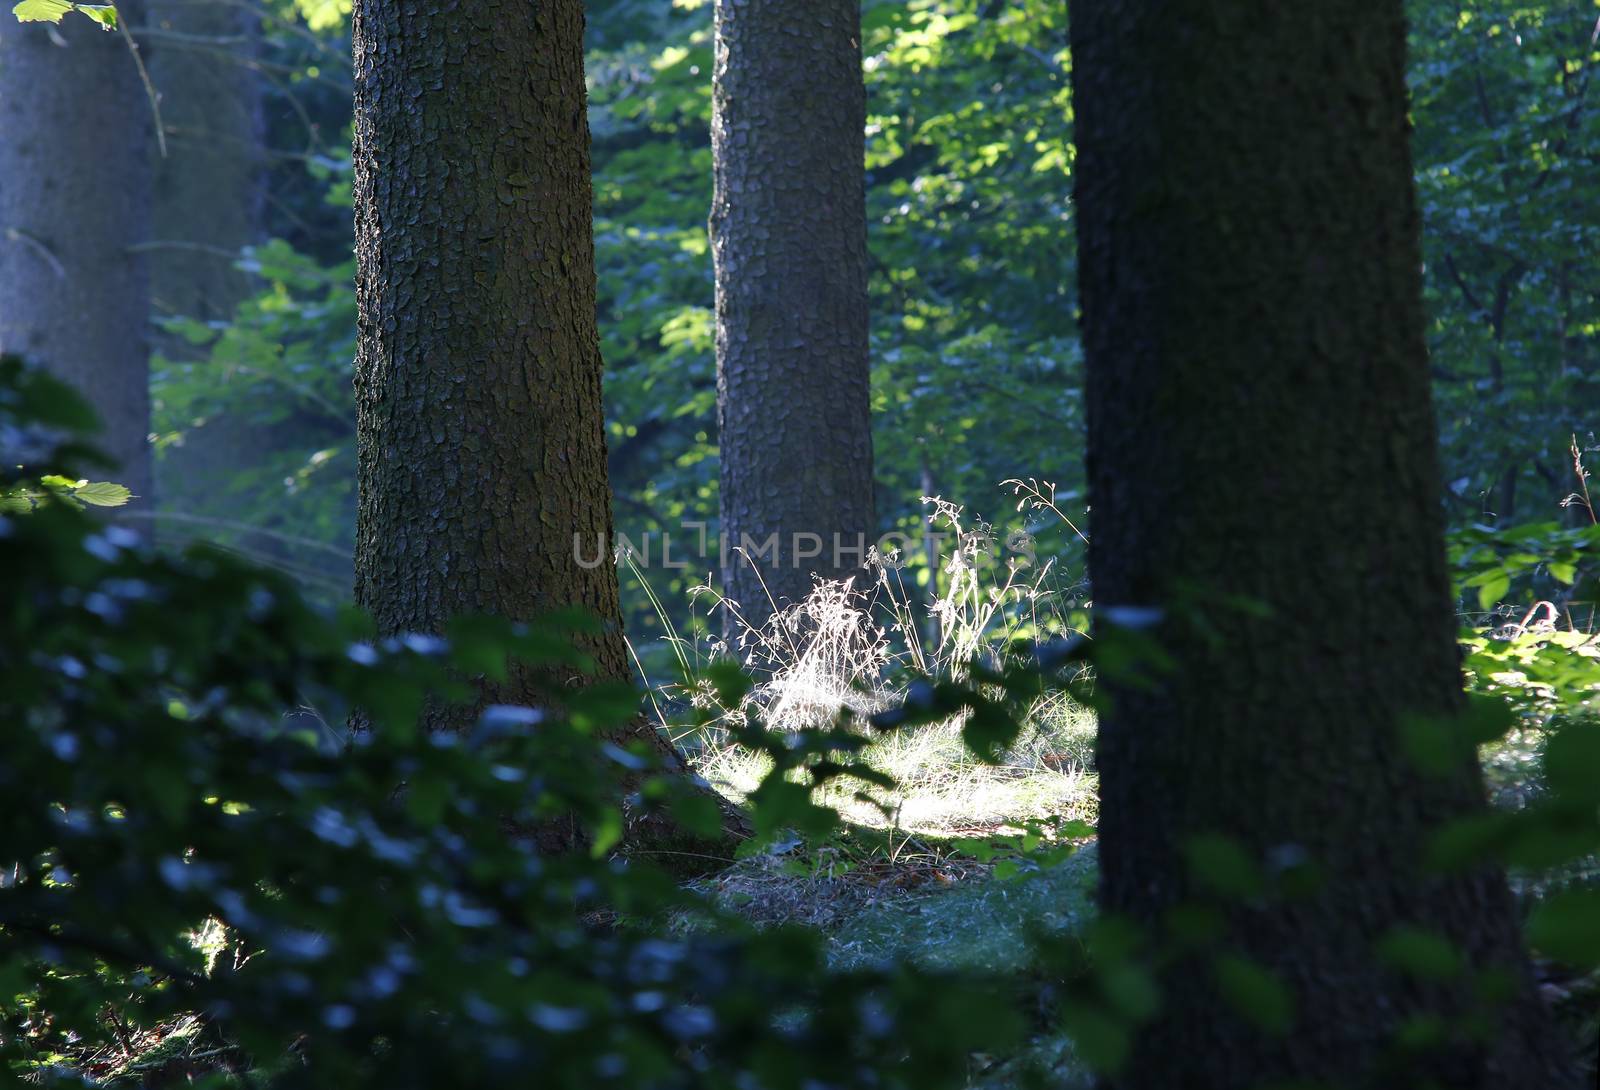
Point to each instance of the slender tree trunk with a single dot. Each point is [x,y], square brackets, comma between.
[74,202]
[208,193]
[1260,428]
[208,205]
[789,240]
[483,483]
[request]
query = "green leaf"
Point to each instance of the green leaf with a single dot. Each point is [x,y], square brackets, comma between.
[989,731]
[698,813]
[1468,841]
[1567,927]
[1572,762]
[603,705]
[52,11]
[607,832]
[1256,993]
[978,848]
[1432,745]
[41,11]
[1101,1040]
[1493,589]
[1486,719]
[19,501]
[103,494]
[478,645]
[730,681]
[1221,865]
[426,799]
[104,14]
[1130,990]
[1422,954]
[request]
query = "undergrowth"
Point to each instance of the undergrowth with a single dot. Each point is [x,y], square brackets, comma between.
[847,652]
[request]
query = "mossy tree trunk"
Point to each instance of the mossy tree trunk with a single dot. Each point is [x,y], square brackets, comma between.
[789,242]
[1260,428]
[482,453]
[75,178]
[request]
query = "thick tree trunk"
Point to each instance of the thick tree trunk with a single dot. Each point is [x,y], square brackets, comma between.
[482,450]
[74,202]
[482,445]
[789,239]
[208,193]
[1260,427]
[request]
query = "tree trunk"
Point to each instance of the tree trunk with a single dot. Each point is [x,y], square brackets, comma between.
[208,205]
[74,200]
[482,454]
[1261,430]
[208,194]
[482,449]
[789,241]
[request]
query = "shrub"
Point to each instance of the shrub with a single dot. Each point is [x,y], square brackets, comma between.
[197,845]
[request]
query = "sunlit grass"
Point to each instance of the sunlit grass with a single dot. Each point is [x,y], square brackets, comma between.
[850,650]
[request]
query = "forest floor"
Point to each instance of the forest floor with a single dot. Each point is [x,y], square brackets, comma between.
[922,899]
[952,870]
[961,889]
[909,886]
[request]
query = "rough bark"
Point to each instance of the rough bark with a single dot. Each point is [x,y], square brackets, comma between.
[74,202]
[789,241]
[1260,427]
[483,484]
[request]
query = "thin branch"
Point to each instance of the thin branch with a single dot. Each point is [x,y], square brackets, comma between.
[239,527]
[149,88]
[334,412]
[1045,59]
[1466,292]
[196,39]
[14,234]
[178,244]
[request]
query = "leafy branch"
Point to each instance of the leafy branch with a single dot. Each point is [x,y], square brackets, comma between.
[53,11]
[24,498]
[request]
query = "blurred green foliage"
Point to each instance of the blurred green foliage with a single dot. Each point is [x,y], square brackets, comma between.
[196,841]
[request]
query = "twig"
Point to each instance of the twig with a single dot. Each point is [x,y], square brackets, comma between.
[15,235]
[242,527]
[178,244]
[1044,58]
[149,88]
